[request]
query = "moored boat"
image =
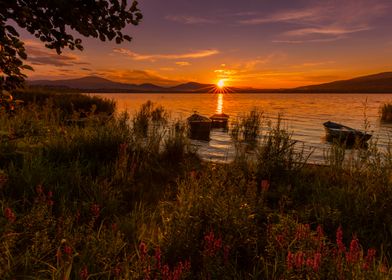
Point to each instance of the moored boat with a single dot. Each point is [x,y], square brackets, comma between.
[199,127]
[342,133]
[219,120]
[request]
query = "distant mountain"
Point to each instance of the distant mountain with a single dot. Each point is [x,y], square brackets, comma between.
[192,87]
[381,82]
[94,83]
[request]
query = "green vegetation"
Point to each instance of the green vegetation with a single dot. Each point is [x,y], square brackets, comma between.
[125,197]
[386,112]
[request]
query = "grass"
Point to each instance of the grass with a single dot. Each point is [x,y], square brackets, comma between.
[110,200]
[386,112]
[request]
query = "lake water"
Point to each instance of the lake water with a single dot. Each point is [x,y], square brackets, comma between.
[302,114]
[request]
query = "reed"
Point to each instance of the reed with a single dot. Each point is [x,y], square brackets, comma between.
[386,112]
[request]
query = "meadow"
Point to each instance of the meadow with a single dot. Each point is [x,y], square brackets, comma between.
[88,193]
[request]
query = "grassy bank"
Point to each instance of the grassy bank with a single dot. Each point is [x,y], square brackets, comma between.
[126,197]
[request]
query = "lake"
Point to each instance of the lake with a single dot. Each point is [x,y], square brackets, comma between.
[302,114]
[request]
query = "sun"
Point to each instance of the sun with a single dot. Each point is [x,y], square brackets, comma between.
[221,83]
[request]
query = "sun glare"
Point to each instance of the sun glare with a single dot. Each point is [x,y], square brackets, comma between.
[221,83]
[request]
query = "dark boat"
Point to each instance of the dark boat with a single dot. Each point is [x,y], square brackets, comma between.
[199,127]
[219,120]
[342,133]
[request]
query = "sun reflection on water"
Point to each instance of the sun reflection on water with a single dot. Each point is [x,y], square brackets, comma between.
[219,105]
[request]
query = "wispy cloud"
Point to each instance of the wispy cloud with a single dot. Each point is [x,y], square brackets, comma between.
[329,30]
[39,55]
[190,19]
[183,63]
[324,21]
[153,57]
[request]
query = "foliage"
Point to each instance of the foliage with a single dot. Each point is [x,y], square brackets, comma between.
[51,21]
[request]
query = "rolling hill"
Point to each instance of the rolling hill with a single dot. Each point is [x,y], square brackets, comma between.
[381,82]
[377,83]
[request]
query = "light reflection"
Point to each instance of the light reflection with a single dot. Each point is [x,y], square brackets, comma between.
[219,106]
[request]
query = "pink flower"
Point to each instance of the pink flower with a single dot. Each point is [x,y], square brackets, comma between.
[83,273]
[142,250]
[299,259]
[265,184]
[9,215]
[158,257]
[371,253]
[339,240]
[316,261]
[290,260]
[354,253]
[95,210]
[67,250]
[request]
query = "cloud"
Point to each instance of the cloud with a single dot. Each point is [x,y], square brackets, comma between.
[323,21]
[183,63]
[154,57]
[325,31]
[190,19]
[39,55]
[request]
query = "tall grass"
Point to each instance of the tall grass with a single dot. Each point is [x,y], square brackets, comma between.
[386,112]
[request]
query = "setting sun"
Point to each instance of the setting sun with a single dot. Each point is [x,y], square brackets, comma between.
[221,83]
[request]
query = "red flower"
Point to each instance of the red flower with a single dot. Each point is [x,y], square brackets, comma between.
[316,261]
[9,215]
[265,184]
[339,240]
[83,273]
[67,250]
[142,250]
[95,210]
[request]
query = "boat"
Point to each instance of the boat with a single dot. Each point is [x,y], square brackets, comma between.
[342,133]
[219,120]
[199,127]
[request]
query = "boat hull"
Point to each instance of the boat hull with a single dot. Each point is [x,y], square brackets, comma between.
[345,134]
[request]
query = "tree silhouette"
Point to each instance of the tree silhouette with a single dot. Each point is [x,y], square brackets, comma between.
[54,22]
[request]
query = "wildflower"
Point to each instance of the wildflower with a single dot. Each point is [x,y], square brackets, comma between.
[114,227]
[95,210]
[165,272]
[83,273]
[354,252]
[265,184]
[303,231]
[309,262]
[49,199]
[371,253]
[192,174]
[9,215]
[339,240]
[211,245]
[67,250]
[289,261]
[157,257]
[142,250]
[299,259]
[316,261]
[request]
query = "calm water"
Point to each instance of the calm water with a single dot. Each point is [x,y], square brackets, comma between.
[303,114]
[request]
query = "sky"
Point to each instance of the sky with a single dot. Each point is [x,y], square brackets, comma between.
[247,43]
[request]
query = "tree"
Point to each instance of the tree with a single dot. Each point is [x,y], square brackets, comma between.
[53,22]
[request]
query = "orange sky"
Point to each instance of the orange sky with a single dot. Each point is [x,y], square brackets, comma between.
[252,43]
